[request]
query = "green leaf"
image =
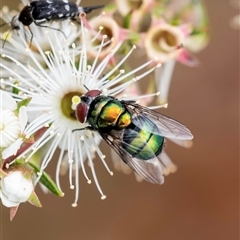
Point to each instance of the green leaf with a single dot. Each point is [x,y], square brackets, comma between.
[15,88]
[134,37]
[126,21]
[47,181]
[24,102]
[110,7]
[34,200]
[20,161]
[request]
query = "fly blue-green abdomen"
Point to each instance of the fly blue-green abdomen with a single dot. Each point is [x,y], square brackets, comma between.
[142,139]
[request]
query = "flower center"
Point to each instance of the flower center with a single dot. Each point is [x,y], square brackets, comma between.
[165,41]
[68,105]
[169,38]
[107,31]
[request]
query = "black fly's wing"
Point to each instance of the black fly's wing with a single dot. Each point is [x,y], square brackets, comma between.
[53,10]
[168,127]
[150,170]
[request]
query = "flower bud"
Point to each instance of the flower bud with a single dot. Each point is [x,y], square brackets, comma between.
[15,189]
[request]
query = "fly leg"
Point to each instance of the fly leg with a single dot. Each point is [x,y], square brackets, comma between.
[56,29]
[85,128]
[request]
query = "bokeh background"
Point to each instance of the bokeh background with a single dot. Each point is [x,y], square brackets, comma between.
[198,202]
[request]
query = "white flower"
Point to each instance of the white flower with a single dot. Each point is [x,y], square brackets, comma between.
[55,91]
[15,189]
[12,125]
[15,42]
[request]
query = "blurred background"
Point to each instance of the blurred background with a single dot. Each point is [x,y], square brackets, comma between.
[198,202]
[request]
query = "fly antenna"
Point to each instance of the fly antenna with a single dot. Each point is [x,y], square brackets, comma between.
[90,8]
[13,26]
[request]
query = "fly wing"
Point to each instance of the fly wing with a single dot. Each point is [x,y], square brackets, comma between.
[150,170]
[167,127]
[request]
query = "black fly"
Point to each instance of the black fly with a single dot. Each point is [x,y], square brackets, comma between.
[42,11]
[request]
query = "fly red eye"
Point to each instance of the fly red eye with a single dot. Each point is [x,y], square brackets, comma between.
[81,112]
[93,93]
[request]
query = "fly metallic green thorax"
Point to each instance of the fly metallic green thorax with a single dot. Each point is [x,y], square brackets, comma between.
[144,142]
[107,113]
